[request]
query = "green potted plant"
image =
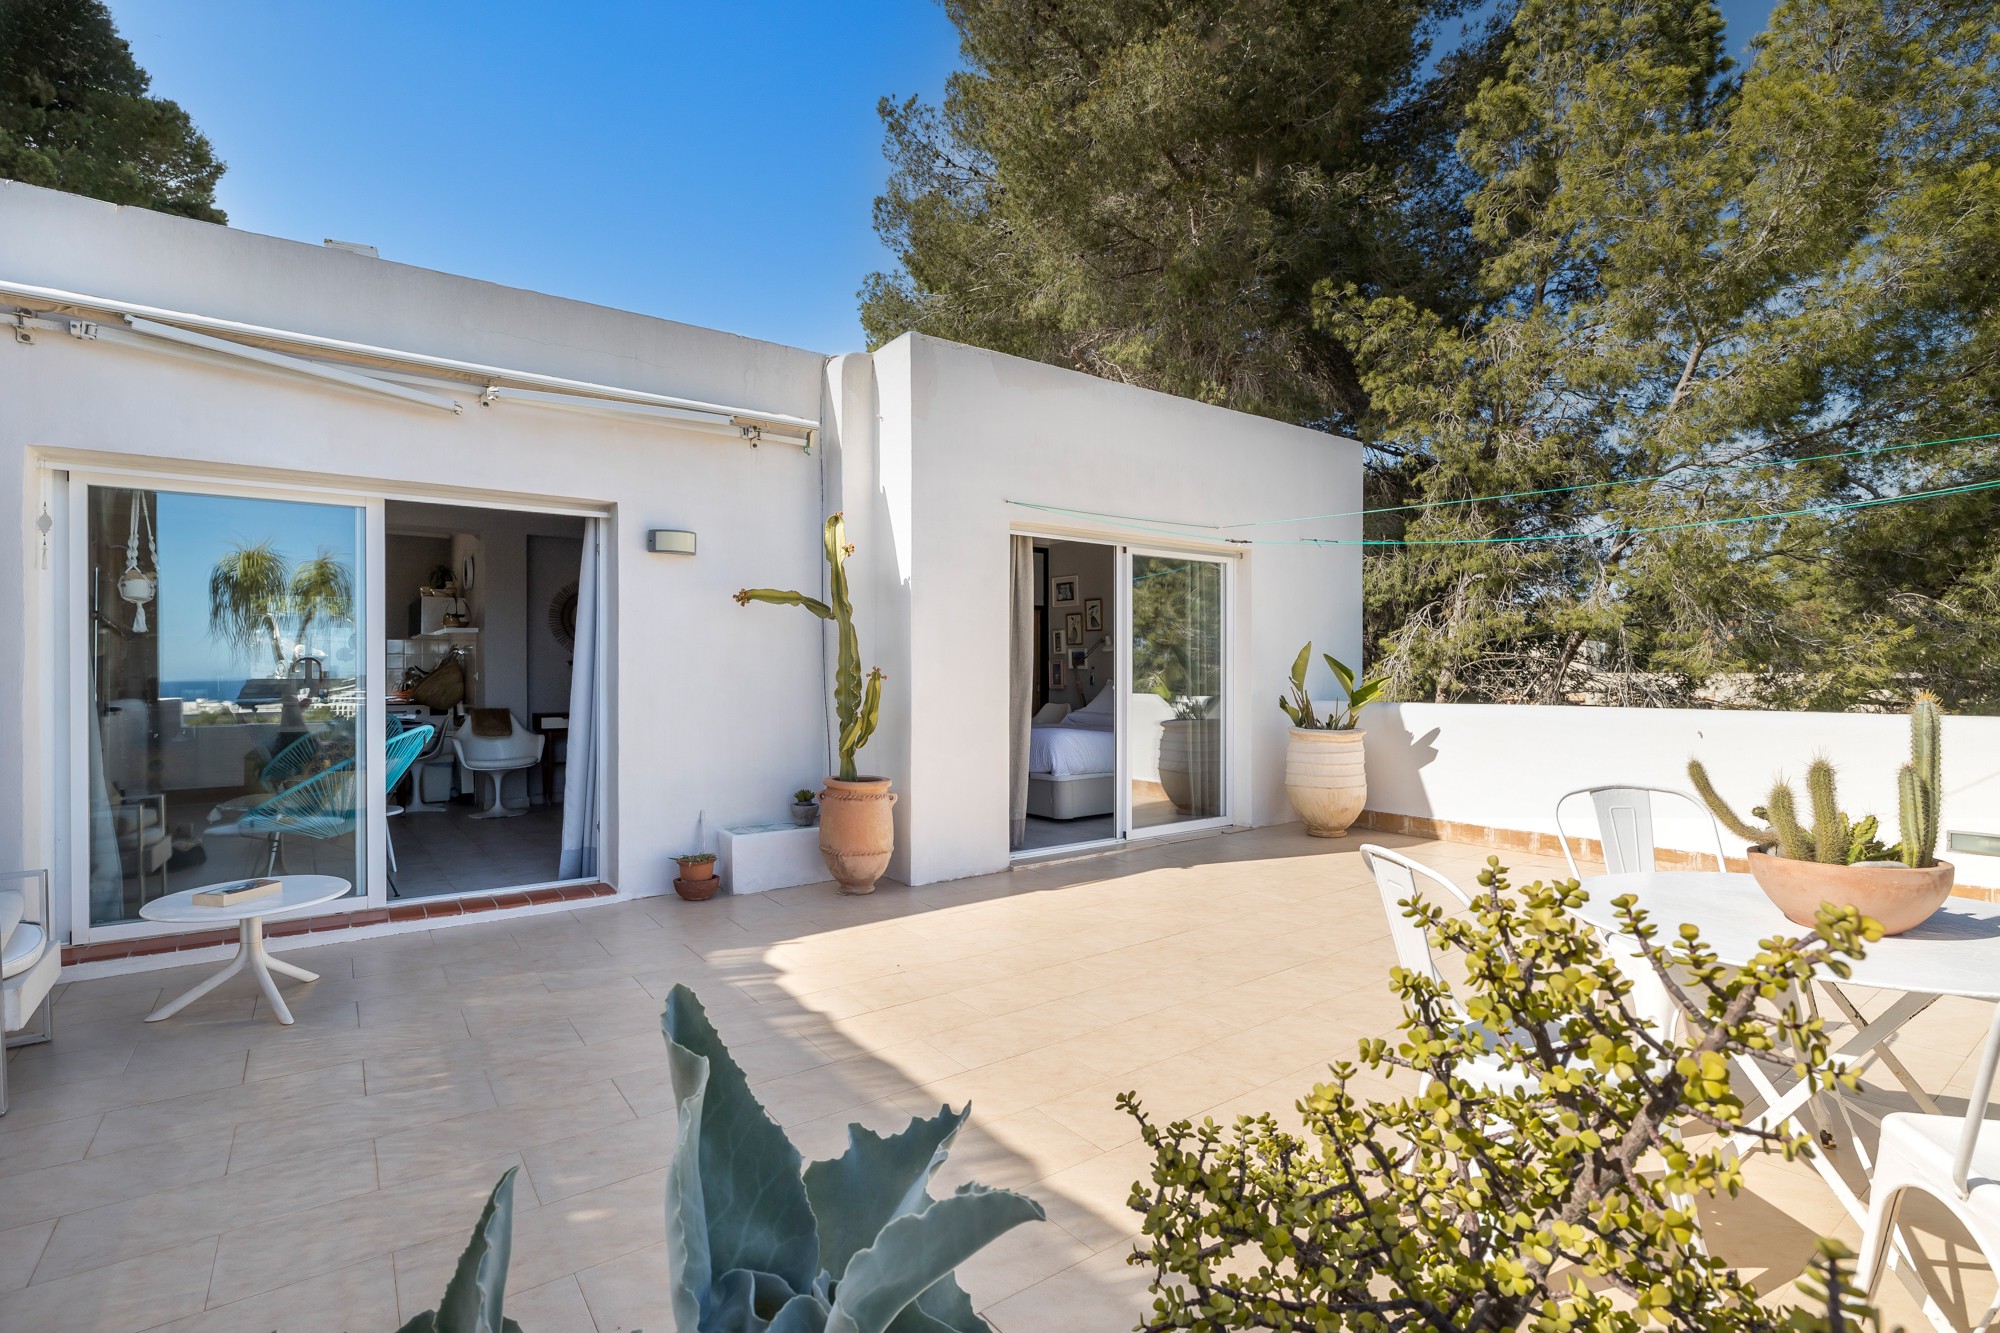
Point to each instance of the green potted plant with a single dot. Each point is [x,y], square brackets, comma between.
[805,807]
[857,833]
[697,881]
[1326,775]
[1840,861]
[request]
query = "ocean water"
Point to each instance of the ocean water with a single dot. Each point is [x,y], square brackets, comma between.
[190,690]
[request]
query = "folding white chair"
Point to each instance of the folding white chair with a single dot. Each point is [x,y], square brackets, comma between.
[1625,826]
[1947,1157]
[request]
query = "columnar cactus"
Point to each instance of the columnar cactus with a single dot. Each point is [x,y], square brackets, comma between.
[1920,786]
[857,703]
[1830,826]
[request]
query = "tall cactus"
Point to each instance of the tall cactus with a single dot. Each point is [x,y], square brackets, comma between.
[857,704]
[1793,844]
[1920,785]
[1724,813]
[1830,831]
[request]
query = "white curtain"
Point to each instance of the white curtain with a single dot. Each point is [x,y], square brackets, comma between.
[581,798]
[1021,694]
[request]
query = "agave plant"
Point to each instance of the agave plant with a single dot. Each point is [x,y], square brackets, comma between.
[478,1288]
[853,1244]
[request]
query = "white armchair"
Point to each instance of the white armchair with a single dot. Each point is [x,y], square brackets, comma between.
[30,962]
[498,756]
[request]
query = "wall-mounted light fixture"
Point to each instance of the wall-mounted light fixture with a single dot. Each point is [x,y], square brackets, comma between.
[666,541]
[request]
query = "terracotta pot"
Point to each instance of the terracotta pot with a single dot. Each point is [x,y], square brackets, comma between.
[697,869]
[857,831]
[697,890]
[1897,896]
[1326,779]
[1191,764]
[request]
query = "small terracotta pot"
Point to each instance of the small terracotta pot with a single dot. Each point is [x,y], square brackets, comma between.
[697,890]
[857,831]
[1897,896]
[697,869]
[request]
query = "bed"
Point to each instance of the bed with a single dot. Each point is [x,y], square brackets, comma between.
[1073,763]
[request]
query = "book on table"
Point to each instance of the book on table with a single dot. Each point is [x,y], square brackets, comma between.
[243,891]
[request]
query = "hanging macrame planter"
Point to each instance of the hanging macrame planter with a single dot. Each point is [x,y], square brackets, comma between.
[135,585]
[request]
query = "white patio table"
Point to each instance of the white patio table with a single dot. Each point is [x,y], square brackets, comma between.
[1956,952]
[298,891]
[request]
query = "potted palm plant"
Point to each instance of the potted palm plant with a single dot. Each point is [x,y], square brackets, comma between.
[1326,776]
[1840,861]
[857,832]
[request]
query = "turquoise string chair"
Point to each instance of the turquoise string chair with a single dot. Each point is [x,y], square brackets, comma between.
[403,750]
[321,807]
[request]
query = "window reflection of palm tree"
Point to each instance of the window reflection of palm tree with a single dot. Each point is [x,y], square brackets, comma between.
[253,591]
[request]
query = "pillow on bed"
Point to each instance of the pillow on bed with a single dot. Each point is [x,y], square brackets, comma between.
[1097,715]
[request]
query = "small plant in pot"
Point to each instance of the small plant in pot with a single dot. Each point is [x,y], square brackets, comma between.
[1326,778]
[697,881]
[857,832]
[1841,861]
[805,807]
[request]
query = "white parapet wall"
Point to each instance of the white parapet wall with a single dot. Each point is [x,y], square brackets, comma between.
[1504,767]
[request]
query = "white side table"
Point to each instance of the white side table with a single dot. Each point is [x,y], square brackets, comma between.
[298,891]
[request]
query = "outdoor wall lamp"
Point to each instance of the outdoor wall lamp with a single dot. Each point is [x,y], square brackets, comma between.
[666,541]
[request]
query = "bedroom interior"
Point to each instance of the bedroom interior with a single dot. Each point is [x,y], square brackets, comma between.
[1068,796]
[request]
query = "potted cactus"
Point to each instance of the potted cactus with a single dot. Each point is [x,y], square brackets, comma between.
[857,832]
[1326,778]
[1841,861]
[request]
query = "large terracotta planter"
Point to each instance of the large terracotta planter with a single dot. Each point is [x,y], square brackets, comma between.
[1191,764]
[1897,896]
[1326,779]
[857,832]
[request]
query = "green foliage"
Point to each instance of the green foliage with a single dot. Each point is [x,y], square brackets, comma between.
[1920,784]
[1177,632]
[478,1288]
[75,114]
[256,597]
[1299,708]
[1782,806]
[804,796]
[695,858]
[857,703]
[1724,813]
[854,1244]
[1149,191]
[1561,1202]
[1831,830]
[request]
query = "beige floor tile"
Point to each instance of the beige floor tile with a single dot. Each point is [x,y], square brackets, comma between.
[579,1163]
[45,1144]
[20,1250]
[631,1293]
[347,1300]
[136,1126]
[1101,1292]
[300,1125]
[91,1182]
[66,1101]
[425,1150]
[553,1307]
[139,1293]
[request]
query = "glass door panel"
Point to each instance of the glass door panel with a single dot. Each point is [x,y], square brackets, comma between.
[1174,737]
[226,722]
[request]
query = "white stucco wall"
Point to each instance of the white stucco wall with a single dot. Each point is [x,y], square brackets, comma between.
[718,710]
[1505,767]
[964,431]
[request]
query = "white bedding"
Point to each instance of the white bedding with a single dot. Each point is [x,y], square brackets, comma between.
[1065,751]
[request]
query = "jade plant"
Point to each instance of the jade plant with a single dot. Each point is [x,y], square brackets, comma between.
[478,1287]
[1559,1195]
[1299,708]
[853,1244]
[857,702]
[1832,838]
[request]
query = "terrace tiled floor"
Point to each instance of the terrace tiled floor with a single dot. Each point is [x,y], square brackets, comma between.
[218,1172]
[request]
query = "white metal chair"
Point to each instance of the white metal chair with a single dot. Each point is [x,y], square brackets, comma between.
[497,756]
[1949,1158]
[1625,826]
[30,962]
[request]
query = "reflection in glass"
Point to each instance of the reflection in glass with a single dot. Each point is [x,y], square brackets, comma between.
[1175,737]
[225,693]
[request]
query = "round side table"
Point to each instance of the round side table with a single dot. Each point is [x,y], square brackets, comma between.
[297,892]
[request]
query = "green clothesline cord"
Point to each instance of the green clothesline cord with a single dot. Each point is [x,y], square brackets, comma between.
[1178,525]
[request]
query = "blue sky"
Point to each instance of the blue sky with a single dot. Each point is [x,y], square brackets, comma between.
[712,163]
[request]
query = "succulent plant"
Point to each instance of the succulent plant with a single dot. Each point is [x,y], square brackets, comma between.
[857,702]
[473,1297]
[854,1244]
[1299,708]
[1833,839]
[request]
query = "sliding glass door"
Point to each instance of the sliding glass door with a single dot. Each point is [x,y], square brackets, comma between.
[1175,770]
[224,711]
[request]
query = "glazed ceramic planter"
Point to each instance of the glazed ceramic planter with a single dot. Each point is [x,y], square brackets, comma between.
[857,831]
[1897,896]
[1326,779]
[1191,764]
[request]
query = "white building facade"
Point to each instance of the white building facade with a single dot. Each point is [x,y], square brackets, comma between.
[173,390]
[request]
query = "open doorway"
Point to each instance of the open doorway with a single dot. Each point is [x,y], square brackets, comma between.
[481,625]
[1070,793]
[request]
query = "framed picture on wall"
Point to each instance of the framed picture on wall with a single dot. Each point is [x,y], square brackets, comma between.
[1057,642]
[1093,615]
[1078,659]
[1065,589]
[1055,673]
[1073,622]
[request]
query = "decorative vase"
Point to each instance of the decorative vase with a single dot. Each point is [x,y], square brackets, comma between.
[1326,779]
[1892,893]
[697,869]
[804,813]
[697,890]
[857,831]
[1191,764]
